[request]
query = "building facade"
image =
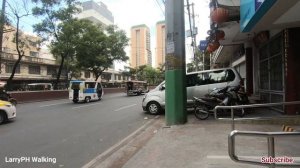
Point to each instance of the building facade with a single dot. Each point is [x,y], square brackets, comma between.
[35,65]
[160,44]
[261,41]
[97,12]
[140,46]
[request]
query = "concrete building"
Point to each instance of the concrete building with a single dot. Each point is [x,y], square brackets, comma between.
[34,66]
[160,43]
[140,46]
[261,41]
[97,12]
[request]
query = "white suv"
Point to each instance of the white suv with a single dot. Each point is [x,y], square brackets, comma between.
[7,111]
[198,84]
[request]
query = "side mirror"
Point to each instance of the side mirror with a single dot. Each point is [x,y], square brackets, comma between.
[162,87]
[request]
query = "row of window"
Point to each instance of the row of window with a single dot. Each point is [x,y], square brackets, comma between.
[32,69]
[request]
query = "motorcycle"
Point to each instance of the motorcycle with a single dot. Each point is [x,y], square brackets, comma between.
[228,96]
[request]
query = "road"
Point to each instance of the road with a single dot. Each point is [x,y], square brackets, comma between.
[68,134]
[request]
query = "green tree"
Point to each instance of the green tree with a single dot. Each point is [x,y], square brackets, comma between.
[54,14]
[191,67]
[97,50]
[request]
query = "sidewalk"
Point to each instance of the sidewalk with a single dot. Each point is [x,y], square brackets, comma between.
[196,144]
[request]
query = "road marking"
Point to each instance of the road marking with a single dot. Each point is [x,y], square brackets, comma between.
[53,104]
[85,105]
[125,107]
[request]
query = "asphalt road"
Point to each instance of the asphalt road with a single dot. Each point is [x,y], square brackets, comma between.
[63,134]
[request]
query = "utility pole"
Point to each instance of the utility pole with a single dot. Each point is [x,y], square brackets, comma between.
[1,31]
[175,63]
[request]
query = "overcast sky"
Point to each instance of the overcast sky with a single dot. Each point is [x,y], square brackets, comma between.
[128,13]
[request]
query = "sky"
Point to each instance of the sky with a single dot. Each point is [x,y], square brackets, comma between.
[128,13]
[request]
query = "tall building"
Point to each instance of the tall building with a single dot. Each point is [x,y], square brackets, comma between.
[96,12]
[140,46]
[160,43]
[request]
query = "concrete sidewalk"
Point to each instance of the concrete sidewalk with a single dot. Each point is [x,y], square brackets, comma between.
[202,144]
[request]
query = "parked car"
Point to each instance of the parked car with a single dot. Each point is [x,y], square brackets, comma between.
[7,111]
[198,84]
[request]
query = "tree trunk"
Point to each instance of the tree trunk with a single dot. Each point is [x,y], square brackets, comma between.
[59,71]
[20,54]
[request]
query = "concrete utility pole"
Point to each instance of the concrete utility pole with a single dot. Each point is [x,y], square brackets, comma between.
[175,63]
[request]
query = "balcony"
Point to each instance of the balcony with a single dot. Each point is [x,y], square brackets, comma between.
[28,59]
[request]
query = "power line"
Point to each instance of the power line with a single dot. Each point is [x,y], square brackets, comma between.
[156,1]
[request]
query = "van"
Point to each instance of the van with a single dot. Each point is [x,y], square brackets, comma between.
[85,91]
[39,86]
[198,84]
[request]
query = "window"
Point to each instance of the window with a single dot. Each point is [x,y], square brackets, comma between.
[9,68]
[34,69]
[34,54]
[51,70]
[87,74]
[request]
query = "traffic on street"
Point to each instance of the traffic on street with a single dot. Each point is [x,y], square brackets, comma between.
[60,133]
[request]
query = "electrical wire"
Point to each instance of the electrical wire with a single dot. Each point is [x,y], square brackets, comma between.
[158,4]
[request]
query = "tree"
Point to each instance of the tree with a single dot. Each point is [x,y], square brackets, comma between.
[54,14]
[97,50]
[191,67]
[18,12]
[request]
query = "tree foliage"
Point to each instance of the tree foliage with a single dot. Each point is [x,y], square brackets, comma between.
[55,14]
[97,51]
[197,63]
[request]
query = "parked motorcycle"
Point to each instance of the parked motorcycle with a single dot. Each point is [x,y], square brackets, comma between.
[228,96]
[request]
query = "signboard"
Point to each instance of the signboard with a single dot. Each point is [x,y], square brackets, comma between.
[258,3]
[203,45]
[252,12]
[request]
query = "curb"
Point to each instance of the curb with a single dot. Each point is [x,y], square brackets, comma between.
[120,153]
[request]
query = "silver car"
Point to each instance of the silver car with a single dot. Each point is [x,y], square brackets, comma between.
[198,84]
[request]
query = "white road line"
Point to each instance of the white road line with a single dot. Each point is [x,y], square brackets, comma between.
[85,105]
[125,107]
[53,104]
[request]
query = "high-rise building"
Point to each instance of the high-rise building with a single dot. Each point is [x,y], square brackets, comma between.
[96,12]
[160,43]
[140,46]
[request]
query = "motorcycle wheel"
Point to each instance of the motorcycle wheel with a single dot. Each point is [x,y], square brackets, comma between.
[239,112]
[201,112]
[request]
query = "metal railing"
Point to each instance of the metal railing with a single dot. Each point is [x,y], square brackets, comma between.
[269,135]
[232,108]
[271,149]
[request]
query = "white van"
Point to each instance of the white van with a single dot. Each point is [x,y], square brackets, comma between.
[85,91]
[198,84]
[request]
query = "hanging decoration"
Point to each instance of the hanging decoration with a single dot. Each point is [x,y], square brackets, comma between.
[219,15]
[213,46]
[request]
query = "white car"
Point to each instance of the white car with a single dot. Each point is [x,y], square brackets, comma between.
[7,111]
[198,84]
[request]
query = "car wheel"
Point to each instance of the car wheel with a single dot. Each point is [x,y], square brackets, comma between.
[2,117]
[87,99]
[153,108]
